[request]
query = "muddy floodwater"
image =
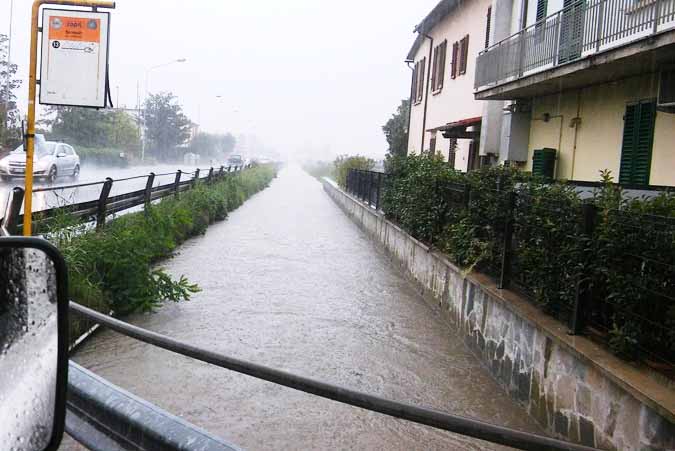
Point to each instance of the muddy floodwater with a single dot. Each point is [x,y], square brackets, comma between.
[289,281]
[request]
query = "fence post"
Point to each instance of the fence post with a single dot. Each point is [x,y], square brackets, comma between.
[584,296]
[196,178]
[379,190]
[11,221]
[221,172]
[209,179]
[505,276]
[148,188]
[102,201]
[176,183]
[369,193]
[467,196]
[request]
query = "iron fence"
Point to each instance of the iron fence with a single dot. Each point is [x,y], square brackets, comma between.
[367,186]
[581,29]
[99,209]
[611,276]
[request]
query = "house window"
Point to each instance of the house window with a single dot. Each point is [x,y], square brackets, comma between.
[438,73]
[455,53]
[463,54]
[487,27]
[420,79]
[413,89]
[636,148]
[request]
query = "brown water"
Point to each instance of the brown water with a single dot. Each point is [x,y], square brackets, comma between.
[289,281]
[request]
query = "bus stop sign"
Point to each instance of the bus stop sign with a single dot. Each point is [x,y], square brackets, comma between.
[74,58]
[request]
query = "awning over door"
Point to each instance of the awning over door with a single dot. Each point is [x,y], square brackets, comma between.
[459,130]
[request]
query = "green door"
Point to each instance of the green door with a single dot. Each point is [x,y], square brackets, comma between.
[638,137]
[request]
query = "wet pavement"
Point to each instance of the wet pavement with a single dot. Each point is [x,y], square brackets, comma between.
[289,281]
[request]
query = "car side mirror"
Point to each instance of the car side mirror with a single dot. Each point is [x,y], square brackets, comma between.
[33,344]
[60,155]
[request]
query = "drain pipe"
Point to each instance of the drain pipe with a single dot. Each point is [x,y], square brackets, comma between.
[410,104]
[426,95]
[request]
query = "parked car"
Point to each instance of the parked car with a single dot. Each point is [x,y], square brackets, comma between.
[50,160]
[235,160]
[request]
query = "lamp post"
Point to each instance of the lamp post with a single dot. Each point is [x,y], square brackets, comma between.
[147,92]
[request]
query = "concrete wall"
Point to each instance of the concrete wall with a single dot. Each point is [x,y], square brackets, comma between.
[574,388]
[599,134]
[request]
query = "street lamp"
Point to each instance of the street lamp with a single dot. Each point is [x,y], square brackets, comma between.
[147,92]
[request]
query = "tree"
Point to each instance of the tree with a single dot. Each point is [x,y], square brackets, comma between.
[166,126]
[212,145]
[10,124]
[396,130]
[92,128]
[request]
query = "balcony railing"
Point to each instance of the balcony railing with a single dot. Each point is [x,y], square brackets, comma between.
[581,29]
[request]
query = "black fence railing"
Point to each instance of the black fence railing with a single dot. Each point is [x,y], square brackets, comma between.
[368,186]
[99,209]
[606,273]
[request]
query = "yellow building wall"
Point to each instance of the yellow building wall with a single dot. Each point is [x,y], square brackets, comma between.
[598,132]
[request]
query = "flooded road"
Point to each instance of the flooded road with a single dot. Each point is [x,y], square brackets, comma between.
[289,281]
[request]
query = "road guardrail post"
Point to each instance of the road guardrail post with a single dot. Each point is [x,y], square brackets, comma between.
[148,189]
[102,203]
[221,172]
[196,178]
[11,221]
[209,179]
[176,183]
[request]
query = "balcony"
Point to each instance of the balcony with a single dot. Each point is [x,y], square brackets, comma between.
[553,53]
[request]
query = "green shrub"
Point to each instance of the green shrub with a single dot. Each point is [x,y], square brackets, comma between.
[344,163]
[102,156]
[629,259]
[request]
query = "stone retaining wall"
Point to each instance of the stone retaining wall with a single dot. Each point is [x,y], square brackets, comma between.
[574,388]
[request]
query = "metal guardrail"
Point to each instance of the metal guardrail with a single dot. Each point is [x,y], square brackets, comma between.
[99,209]
[103,417]
[434,418]
[581,29]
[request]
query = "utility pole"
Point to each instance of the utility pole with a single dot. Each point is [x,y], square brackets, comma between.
[9,63]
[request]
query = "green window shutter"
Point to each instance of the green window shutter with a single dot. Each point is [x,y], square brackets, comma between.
[636,149]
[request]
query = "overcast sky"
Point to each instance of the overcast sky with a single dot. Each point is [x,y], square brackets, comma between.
[307,77]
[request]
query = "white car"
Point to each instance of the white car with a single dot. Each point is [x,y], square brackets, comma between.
[51,160]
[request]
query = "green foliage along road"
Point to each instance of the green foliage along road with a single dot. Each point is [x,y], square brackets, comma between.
[114,269]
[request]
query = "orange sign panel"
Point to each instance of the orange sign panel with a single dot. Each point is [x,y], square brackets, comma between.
[74,29]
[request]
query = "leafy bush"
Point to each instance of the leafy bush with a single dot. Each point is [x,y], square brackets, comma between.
[344,163]
[629,258]
[115,268]
[101,156]
[319,169]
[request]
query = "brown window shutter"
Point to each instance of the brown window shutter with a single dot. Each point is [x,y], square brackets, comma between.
[455,52]
[464,54]
[441,59]
[423,65]
[434,69]
[487,27]
[413,89]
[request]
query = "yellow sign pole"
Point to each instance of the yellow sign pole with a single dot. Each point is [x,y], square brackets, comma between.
[32,88]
